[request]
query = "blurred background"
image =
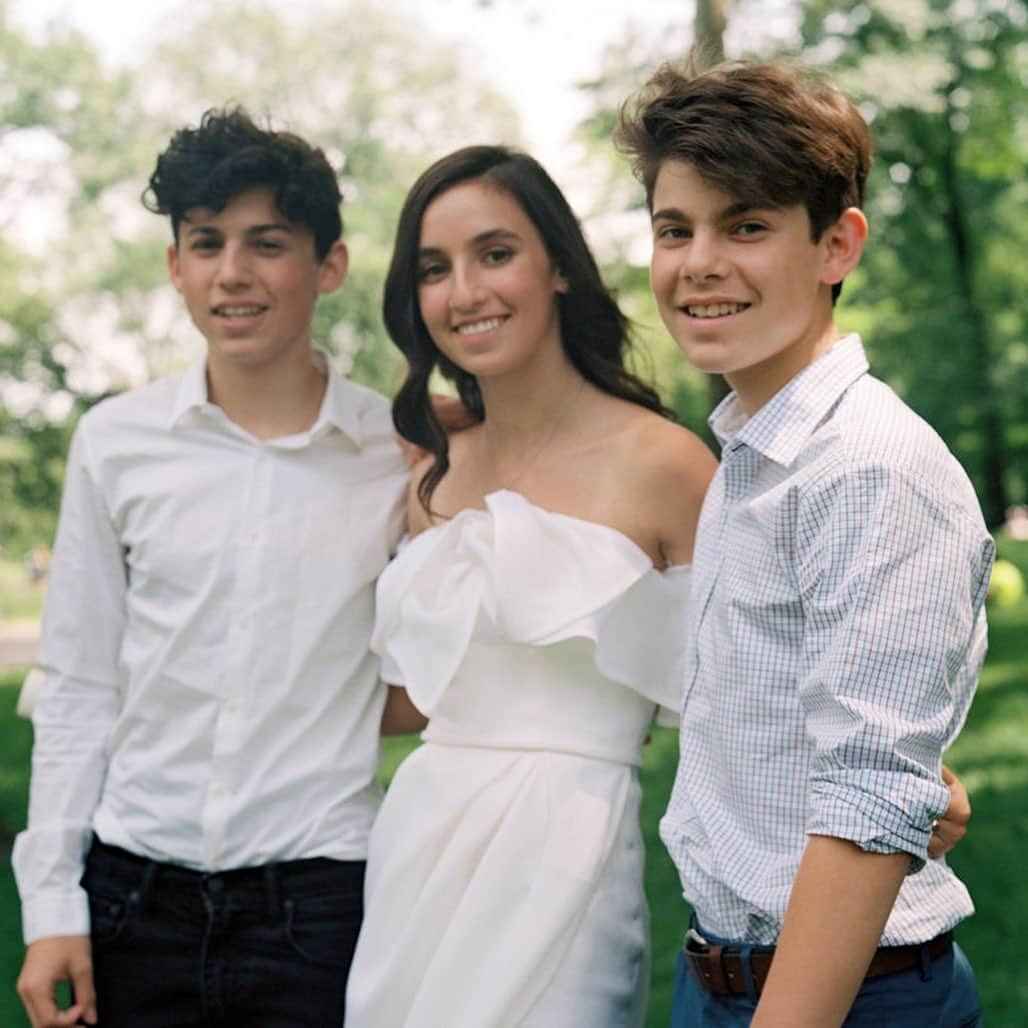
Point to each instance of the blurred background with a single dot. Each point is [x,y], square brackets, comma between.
[90,92]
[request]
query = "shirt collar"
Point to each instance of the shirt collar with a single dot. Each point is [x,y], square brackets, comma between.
[192,392]
[781,428]
[340,406]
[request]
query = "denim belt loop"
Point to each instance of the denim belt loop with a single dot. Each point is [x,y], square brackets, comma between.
[271,889]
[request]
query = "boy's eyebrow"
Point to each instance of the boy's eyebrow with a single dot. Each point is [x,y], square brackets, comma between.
[488,236]
[272,226]
[731,211]
[668,214]
[252,230]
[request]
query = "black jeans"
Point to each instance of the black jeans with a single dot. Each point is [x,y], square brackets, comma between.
[264,947]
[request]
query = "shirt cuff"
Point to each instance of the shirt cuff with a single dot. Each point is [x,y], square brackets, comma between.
[860,813]
[55,913]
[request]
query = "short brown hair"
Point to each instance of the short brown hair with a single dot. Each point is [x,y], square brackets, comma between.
[767,134]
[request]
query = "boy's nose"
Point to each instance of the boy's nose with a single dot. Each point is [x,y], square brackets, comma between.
[234,266]
[701,258]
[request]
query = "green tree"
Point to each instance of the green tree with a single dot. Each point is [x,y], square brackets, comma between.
[92,312]
[940,294]
[55,98]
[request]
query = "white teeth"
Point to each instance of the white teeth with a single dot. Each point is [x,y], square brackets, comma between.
[714,310]
[238,312]
[479,326]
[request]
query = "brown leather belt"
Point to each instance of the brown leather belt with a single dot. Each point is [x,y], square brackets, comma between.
[719,969]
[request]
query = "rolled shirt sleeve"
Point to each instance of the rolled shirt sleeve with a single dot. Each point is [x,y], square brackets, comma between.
[892,577]
[83,623]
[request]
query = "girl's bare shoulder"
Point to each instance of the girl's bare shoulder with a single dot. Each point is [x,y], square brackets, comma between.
[666,469]
[665,454]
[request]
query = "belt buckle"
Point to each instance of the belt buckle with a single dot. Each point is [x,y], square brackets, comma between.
[696,943]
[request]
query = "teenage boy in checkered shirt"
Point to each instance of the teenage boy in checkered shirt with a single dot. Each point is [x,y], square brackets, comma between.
[840,573]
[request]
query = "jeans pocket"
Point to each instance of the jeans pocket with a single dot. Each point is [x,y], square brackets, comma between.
[108,916]
[322,930]
[110,903]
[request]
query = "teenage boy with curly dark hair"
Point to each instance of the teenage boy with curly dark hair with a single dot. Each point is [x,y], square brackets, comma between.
[206,744]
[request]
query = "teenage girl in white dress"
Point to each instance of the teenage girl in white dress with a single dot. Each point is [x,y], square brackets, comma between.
[533,622]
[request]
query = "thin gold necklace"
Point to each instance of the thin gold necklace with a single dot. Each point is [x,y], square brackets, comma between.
[547,439]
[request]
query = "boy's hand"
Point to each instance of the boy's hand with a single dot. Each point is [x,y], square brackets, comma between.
[412,453]
[952,826]
[64,958]
[452,415]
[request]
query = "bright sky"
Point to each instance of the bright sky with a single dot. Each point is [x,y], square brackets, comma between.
[534,50]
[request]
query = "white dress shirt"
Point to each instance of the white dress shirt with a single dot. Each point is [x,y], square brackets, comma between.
[210,698]
[836,633]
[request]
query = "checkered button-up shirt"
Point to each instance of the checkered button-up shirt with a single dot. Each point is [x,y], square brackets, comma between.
[837,631]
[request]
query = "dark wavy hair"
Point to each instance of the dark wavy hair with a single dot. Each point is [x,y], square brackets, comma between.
[228,153]
[594,332]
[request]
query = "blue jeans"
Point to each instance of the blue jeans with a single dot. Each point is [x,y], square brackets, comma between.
[945,996]
[266,947]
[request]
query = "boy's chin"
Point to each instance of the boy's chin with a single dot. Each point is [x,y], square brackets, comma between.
[702,357]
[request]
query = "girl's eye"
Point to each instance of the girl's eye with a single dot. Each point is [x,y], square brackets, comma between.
[497,255]
[431,272]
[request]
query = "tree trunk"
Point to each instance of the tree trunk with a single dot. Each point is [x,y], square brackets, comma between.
[709,33]
[708,49]
[993,496]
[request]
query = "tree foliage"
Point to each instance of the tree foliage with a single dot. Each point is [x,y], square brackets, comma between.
[87,310]
[940,295]
[938,298]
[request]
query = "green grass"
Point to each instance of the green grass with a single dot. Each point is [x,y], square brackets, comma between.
[991,757]
[15,748]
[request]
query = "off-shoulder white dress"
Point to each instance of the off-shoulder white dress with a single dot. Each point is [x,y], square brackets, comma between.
[505,875]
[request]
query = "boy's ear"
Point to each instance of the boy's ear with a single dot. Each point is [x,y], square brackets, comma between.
[332,270]
[843,243]
[174,273]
